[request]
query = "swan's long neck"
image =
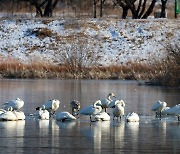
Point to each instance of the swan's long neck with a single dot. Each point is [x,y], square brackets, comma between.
[97,102]
[109,98]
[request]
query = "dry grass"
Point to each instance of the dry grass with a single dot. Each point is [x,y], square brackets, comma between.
[160,73]
[81,62]
[41,33]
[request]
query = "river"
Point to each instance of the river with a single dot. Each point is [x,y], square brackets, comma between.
[150,135]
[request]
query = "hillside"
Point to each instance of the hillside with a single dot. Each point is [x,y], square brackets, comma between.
[113,41]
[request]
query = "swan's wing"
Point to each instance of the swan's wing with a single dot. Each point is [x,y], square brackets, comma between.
[112,103]
[156,106]
[64,116]
[87,110]
[105,102]
[103,116]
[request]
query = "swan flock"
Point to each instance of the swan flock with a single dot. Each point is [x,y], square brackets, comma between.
[97,111]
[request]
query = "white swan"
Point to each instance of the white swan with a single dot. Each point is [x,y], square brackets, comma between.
[174,111]
[43,114]
[2,111]
[105,102]
[75,106]
[158,107]
[19,115]
[132,117]
[118,111]
[8,115]
[64,116]
[114,102]
[51,105]
[103,116]
[16,104]
[92,109]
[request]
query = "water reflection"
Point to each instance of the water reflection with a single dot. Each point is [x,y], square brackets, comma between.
[49,136]
[133,130]
[12,136]
[97,133]
[66,125]
[118,132]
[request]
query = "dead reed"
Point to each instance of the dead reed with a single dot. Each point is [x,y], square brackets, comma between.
[82,63]
[162,73]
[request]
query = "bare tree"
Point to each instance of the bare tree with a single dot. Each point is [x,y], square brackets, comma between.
[124,6]
[94,8]
[101,7]
[139,8]
[163,8]
[44,8]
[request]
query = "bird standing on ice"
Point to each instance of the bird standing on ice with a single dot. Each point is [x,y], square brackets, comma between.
[105,102]
[103,116]
[51,106]
[174,111]
[92,109]
[16,104]
[118,111]
[43,114]
[132,117]
[158,107]
[75,106]
[64,116]
[8,115]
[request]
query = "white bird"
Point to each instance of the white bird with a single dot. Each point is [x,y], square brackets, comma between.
[2,111]
[103,116]
[114,102]
[51,105]
[64,116]
[164,111]
[19,115]
[105,102]
[43,114]
[174,111]
[92,109]
[132,117]
[118,111]
[8,115]
[75,106]
[16,104]
[158,107]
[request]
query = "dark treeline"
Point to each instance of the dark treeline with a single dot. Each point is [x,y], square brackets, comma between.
[136,9]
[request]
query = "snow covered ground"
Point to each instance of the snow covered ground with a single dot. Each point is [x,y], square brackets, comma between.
[116,41]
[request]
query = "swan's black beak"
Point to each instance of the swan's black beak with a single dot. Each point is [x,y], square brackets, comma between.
[37,108]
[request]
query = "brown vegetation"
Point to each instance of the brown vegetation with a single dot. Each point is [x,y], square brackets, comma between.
[164,73]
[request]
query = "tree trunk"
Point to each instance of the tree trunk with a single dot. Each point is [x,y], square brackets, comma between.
[125,12]
[48,9]
[163,8]
[149,11]
[94,8]
[101,7]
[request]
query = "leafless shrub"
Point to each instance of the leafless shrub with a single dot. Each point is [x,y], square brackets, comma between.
[169,74]
[40,32]
[80,61]
[79,58]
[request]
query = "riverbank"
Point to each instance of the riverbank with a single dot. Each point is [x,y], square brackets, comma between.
[89,48]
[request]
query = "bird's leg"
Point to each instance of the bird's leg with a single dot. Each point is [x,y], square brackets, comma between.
[91,119]
[156,114]
[160,114]
[105,109]
[72,112]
